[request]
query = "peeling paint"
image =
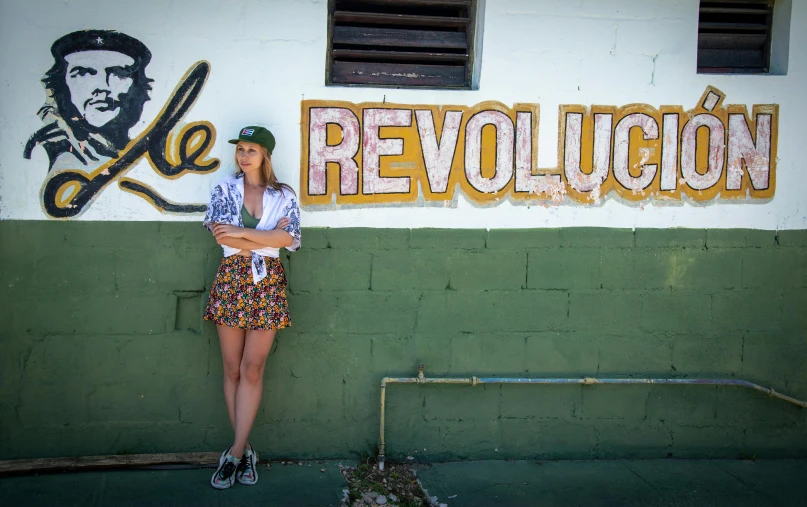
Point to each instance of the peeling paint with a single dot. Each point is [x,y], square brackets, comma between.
[650,130]
[505,133]
[376,147]
[320,153]
[438,156]
[634,152]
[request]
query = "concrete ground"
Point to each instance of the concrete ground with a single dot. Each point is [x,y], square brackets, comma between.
[279,486]
[646,483]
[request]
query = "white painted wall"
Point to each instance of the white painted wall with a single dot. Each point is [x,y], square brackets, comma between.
[268,55]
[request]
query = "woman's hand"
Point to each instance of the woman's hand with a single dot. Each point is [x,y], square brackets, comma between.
[282,223]
[223,231]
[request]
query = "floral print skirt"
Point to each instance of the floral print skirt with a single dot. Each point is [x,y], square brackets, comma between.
[237,301]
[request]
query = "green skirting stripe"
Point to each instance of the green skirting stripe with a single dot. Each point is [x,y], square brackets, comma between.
[104,349]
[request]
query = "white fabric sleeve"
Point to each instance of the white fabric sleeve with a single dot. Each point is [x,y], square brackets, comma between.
[291,210]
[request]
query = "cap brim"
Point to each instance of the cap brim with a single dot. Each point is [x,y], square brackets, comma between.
[236,141]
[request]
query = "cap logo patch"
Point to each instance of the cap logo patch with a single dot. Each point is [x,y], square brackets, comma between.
[247,132]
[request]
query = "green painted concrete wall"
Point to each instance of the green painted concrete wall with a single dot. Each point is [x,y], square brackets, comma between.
[104,350]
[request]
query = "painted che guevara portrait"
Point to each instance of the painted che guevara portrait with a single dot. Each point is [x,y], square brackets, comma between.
[94,94]
[95,91]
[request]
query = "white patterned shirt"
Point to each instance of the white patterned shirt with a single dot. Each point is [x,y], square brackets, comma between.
[226,200]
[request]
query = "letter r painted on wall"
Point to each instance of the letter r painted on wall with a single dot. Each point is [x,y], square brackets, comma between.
[343,123]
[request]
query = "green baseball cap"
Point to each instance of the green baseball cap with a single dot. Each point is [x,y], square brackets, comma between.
[257,135]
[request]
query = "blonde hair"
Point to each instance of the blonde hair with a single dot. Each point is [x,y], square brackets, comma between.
[268,177]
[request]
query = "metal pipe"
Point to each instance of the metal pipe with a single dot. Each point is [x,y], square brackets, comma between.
[381,445]
[474,381]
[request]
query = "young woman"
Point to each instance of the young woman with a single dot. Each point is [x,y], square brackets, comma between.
[252,216]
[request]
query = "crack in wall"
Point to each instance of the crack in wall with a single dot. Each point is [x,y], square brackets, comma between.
[746,484]
[653,486]
[653,73]
[372,261]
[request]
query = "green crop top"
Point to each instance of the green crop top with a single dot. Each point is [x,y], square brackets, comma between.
[250,222]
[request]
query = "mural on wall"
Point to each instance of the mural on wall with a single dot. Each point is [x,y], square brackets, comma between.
[95,93]
[374,153]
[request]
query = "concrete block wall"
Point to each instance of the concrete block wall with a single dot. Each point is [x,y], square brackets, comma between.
[105,350]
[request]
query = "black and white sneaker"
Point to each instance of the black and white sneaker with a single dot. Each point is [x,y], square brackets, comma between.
[224,476]
[247,472]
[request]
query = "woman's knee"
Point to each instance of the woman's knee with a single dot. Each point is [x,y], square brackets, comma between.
[252,372]
[232,372]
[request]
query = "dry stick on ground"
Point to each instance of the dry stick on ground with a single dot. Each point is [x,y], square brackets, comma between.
[85,463]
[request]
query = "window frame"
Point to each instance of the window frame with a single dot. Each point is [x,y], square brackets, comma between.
[472,33]
[766,46]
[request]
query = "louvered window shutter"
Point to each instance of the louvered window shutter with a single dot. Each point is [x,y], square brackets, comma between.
[401,43]
[735,36]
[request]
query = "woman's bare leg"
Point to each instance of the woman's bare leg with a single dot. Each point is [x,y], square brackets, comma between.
[232,351]
[250,386]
